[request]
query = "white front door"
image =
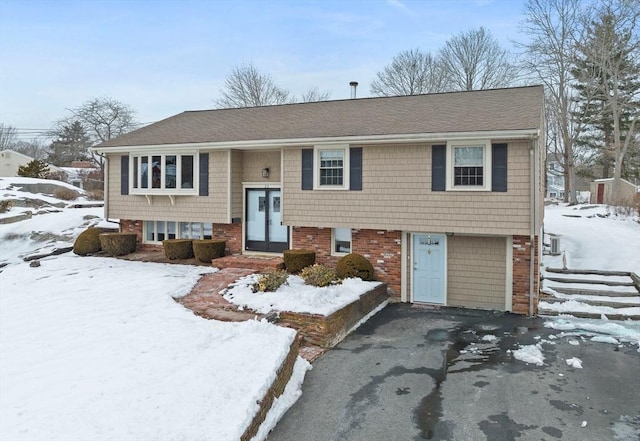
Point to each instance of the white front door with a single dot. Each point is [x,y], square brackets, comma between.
[429,269]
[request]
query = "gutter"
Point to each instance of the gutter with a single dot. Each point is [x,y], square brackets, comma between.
[532,211]
[298,142]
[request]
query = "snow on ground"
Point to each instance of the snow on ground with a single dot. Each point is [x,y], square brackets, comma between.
[531,354]
[96,348]
[574,362]
[591,241]
[576,306]
[598,240]
[295,296]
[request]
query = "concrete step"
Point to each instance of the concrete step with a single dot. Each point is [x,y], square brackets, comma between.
[591,315]
[587,272]
[589,282]
[594,302]
[593,292]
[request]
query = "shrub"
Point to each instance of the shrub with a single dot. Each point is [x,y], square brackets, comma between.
[118,244]
[96,195]
[66,194]
[318,275]
[5,205]
[295,260]
[270,282]
[88,242]
[208,249]
[178,248]
[354,265]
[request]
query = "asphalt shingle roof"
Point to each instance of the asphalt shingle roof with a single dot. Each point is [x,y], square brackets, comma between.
[484,110]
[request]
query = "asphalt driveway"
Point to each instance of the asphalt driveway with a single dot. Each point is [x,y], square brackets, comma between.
[414,374]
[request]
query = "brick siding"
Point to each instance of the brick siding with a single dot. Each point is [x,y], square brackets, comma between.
[381,247]
[232,233]
[521,265]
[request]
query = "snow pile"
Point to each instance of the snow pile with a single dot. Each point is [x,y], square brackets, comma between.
[96,348]
[296,296]
[603,331]
[574,362]
[531,354]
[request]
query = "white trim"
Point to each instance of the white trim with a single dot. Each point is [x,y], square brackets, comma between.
[345,166]
[134,190]
[508,283]
[404,257]
[229,184]
[445,266]
[486,164]
[333,241]
[298,142]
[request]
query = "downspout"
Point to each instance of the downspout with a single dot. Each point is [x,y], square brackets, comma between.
[532,211]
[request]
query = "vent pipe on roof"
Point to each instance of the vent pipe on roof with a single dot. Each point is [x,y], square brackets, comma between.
[354,86]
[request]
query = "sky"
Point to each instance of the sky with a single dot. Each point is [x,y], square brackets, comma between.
[167,56]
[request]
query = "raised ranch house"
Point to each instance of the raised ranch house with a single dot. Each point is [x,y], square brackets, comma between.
[441,192]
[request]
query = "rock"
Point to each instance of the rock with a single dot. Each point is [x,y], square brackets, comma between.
[34,264]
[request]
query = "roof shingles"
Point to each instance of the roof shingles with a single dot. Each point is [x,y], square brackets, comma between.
[485,110]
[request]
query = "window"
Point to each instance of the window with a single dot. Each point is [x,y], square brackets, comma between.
[157,231]
[331,167]
[163,173]
[469,165]
[331,171]
[341,241]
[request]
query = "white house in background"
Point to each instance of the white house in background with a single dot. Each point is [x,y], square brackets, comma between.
[555,180]
[10,161]
[78,173]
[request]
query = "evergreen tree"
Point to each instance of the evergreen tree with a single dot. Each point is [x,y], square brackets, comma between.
[34,169]
[608,73]
[71,144]
[594,86]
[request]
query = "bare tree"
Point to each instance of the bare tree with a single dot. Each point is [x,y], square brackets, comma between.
[8,136]
[36,148]
[474,60]
[247,87]
[551,27]
[314,95]
[610,49]
[103,119]
[410,73]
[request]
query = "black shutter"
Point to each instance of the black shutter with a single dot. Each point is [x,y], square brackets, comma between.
[307,169]
[438,167]
[355,168]
[124,174]
[499,167]
[203,189]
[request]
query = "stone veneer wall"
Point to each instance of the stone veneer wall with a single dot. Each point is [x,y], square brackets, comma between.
[328,331]
[232,233]
[381,247]
[521,266]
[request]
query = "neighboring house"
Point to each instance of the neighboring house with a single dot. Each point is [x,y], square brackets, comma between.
[443,193]
[11,161]
[79,173]
[555,180]
[602,192]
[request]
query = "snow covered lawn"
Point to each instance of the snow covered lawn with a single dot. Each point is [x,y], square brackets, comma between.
[608,243]
[97,349]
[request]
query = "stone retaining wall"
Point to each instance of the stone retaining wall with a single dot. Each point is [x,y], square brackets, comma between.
[328,331]
[283,375]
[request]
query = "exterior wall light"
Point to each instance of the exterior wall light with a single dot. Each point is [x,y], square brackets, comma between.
[265,173]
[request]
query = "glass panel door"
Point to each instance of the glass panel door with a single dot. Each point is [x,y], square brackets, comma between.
[256,215]
[277,231]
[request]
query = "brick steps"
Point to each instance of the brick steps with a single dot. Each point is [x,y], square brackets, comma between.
[255,263]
